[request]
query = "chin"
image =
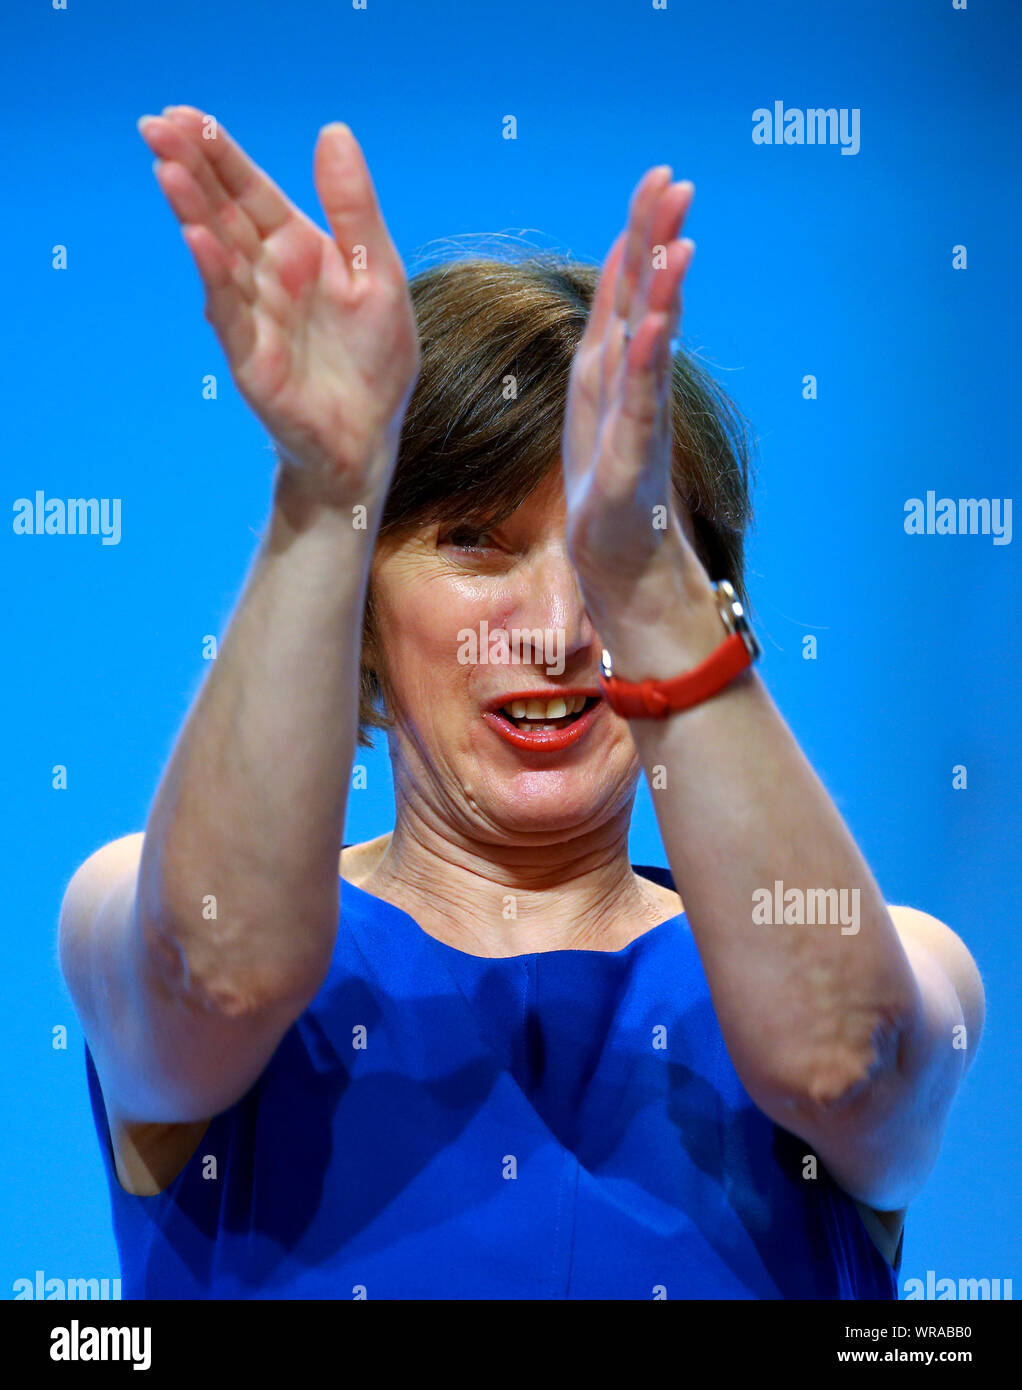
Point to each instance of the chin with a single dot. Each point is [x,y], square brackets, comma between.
[552,802]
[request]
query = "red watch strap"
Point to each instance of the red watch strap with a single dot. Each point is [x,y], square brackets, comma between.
[656,699]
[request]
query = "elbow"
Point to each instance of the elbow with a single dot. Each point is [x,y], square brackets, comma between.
[244,989]
[845,1072]
[241,974]
[844,1080]
[250,948]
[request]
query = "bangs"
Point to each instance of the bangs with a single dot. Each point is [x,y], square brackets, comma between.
[492,432]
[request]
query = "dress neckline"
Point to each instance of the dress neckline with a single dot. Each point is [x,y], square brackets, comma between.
[655,873]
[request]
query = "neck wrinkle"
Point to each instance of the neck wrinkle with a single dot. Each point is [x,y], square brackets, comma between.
[492,903]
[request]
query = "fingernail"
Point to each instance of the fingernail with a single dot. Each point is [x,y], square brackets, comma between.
[338,125]
[142,120]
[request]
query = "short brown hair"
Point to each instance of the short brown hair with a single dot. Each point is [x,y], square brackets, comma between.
[472,450]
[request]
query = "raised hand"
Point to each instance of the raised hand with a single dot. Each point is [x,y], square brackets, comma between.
[617,432]
[318,330]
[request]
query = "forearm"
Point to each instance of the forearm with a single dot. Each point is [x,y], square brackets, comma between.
[238,885]
[809,1012]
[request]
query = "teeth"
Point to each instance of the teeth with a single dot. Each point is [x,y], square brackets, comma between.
[537,711]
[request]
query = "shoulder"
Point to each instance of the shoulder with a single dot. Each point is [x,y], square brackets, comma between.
[668,902]
[357,862]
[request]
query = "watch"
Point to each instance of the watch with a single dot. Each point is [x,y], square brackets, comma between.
[653,699]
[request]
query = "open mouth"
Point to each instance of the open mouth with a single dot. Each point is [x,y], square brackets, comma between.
[544,723]
[536,716]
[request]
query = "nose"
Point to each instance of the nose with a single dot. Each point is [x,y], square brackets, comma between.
[549,597]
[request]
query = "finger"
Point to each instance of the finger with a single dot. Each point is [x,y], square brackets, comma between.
[667,220]
[170,142]
[635,420]
[617,325]
[348,198]
[227,309]
[602,307]
[640,409]
[643,202]
[620,341]
[670,212]
[585,400]
[241,178]
[191,207]
[666,296]
[665,289]
[612,360]
[632,364]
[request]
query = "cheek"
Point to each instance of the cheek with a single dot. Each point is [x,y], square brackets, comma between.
[425,627]
[437,613]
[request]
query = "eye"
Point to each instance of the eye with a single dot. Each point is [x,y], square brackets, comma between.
[464,536]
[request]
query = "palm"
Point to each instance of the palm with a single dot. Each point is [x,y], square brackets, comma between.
[319,334]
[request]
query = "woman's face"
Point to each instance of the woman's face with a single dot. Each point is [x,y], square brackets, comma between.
[461,757]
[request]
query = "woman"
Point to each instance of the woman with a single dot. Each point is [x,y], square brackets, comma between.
[521,1067]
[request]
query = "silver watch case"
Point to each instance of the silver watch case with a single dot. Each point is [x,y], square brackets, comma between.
[732,614]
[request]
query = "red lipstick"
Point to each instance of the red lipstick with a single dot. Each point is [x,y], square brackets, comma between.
[543,740]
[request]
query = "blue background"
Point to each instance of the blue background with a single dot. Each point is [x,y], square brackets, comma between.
[808,261]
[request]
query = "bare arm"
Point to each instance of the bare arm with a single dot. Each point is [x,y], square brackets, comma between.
[854,1033]
[851,1038]
[248,818]
[191,951]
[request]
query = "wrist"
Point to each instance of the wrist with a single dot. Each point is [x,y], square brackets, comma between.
[656,697]
[302,495]
[310,527]
[660,640]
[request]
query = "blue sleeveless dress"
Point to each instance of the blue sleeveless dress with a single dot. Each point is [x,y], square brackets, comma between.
[437,1125]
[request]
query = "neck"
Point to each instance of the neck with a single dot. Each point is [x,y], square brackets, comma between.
[501,900]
